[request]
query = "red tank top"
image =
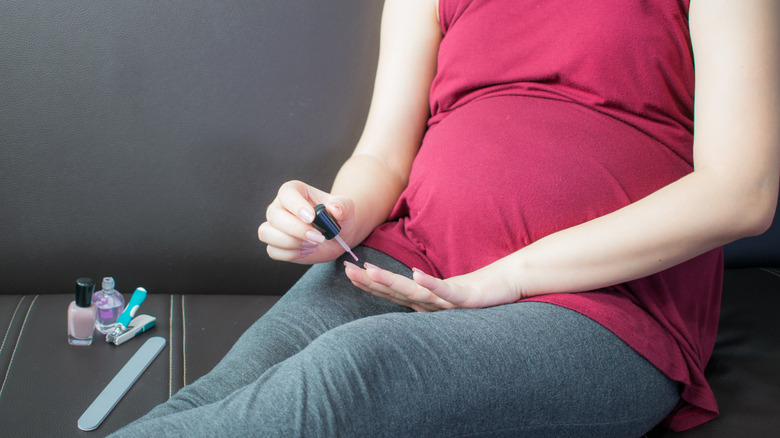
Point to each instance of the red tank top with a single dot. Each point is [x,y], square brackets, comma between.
[546,114]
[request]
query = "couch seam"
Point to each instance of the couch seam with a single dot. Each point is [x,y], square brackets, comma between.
[13,318]
[183,342]
[170,350]
[771,271]
[18,338]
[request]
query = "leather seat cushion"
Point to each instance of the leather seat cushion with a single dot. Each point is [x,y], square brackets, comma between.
[47,384]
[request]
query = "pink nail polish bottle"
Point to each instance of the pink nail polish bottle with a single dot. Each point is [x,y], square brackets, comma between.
[82,313]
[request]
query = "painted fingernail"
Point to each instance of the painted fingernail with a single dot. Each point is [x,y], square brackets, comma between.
[308,245]
[314,237]
[351,265]
[307,215]
[370,266]
[305,252]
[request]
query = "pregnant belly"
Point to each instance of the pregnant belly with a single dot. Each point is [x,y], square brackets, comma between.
[499,173]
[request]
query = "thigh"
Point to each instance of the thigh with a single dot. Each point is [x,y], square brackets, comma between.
[322,299]
[525,369]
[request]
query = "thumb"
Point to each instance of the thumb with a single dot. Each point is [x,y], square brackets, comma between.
[340,208]
[452,293]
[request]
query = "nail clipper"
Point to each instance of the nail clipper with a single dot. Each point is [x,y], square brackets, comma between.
[138,325]
[128,327]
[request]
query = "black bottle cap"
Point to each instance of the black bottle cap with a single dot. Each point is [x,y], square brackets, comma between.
[324,222]
[85,287]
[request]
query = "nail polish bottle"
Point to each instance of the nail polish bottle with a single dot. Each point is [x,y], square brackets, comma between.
[327,225]
[82,313]
[109,303]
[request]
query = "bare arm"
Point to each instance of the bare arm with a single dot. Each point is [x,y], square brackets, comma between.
[732,192]
[370,182]
[379,168]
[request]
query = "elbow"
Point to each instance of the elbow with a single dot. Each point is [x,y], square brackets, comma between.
[739,206]
[756,212]
[760,223]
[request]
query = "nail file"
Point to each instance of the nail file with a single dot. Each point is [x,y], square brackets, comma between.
[118,386]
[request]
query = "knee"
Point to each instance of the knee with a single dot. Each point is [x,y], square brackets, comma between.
[348,350]
[360,358]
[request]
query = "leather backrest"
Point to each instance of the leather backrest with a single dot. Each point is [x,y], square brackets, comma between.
[144,139]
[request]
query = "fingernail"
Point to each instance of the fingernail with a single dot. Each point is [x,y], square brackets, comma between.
[308,245]
[307,251]
[307,215]
[370,266]
[350,265]
[314,237]
[419,271]
[337,209]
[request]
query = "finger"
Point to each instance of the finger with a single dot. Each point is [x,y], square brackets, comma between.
[337,206]
[286,222]
[360,279]
[439,287]
[399,284]
[454,290]
[288,255]
[419,307]
[299,199]
[270,235]
[400,289]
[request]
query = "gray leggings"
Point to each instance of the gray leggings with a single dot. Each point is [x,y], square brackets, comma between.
[330,360]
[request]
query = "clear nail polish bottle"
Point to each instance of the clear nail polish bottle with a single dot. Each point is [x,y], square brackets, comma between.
[82,313]
[109,303]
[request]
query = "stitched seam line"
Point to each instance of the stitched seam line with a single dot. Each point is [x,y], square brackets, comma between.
[774,272]
[170,351]
[13,318]
[183,342]
[18,338]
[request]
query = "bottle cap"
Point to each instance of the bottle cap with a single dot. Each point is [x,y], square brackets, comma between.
[324,222]
[108,283]
[85,287]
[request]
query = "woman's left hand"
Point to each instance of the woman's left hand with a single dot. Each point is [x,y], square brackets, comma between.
[425,293]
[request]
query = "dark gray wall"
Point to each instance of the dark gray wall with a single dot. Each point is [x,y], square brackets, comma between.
[144,139]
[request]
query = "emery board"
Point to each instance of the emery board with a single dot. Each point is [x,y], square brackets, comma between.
[118,386]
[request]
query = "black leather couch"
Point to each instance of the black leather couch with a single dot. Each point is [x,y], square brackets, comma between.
[142,140]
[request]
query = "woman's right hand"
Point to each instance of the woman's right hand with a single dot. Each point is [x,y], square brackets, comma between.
[288,231]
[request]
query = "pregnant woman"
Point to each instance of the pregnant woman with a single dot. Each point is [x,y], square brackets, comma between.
[538,229]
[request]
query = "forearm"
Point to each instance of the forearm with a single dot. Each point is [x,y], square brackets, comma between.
[732,193]
[378,171]
[373,186]
[689,217]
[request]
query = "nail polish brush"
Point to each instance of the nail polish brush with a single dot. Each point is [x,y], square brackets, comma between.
[327,225]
